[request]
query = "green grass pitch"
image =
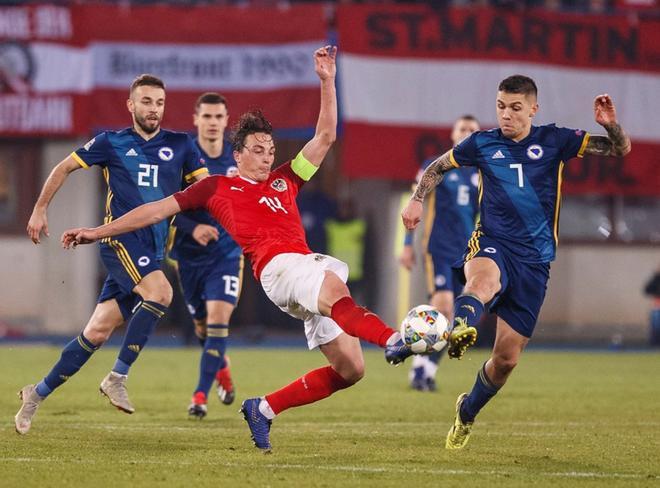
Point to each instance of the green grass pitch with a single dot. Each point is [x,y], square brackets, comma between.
[564,419]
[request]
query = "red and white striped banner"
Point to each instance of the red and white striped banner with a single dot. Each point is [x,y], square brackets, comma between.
[407,72]
[67,70]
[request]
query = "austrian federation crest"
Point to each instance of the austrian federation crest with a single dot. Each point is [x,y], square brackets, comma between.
[279,185]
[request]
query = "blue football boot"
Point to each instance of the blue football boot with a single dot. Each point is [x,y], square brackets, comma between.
[258,423]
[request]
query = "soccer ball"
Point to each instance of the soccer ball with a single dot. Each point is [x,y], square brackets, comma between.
[425,330]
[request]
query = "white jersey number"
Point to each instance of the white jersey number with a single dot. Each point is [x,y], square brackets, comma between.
[148,175]
[518,166]
[463,195]
[273,203]
[231,285]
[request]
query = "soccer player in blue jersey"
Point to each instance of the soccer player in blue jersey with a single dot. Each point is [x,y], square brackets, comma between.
[452,213]
[507,261]
[140,164]
[210,263]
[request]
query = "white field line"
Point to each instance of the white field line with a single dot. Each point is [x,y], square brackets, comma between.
[352,469]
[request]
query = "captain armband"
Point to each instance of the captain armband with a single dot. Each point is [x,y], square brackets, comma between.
[303,168]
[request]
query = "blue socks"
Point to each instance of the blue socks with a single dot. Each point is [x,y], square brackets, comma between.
[74,356]
[139,328]
[468,309]
[482,391]
[213,356]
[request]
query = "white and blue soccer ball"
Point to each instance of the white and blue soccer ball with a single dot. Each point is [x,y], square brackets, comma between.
[425,330]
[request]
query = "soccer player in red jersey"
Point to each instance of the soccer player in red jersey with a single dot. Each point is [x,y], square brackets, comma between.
[258,209]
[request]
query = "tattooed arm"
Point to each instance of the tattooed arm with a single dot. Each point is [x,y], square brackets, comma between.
[431,177]
[617,142]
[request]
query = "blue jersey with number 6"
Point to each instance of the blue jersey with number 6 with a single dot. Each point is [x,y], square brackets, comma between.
[453,207]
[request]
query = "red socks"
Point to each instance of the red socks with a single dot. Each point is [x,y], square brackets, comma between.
[360,322]
[315,385]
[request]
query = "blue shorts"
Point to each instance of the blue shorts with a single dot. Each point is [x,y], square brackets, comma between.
[440,275]
[519,301]
[127,260]
[220,280]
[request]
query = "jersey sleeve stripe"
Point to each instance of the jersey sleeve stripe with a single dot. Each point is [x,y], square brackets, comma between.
[558,202]
[79,160]
[190,176]
[585,141]
[303,168]
[452,160]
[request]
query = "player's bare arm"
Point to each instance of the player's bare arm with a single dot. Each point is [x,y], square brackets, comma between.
[326,127]
[142,216]
[38,222]
[431,177]
[617,142]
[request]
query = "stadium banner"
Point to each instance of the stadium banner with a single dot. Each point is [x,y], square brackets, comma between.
[66,71]
[407,72]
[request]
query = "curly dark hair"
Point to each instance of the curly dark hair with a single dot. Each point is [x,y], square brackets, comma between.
[250,123]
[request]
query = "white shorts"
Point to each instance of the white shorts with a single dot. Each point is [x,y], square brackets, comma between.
[293,282]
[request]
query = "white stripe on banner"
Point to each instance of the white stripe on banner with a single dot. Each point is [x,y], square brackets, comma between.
[61,68]
[433,93]
[207,67]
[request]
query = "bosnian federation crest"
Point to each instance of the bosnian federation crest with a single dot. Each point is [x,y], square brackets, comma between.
[278,185]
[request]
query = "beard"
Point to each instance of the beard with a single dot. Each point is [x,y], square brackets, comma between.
[144,124]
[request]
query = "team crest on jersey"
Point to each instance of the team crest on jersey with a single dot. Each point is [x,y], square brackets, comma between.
[534,152]
[279,185]
[166,153]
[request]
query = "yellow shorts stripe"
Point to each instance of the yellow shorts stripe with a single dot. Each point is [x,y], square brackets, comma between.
[126,261]
[430,274]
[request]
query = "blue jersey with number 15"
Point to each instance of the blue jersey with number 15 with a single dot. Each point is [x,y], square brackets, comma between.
[521,185]
[138,171]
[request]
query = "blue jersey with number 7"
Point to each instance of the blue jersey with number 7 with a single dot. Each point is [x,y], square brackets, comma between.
[520,195]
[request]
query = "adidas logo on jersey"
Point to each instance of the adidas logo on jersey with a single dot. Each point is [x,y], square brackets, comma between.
[131,152]
[498,155]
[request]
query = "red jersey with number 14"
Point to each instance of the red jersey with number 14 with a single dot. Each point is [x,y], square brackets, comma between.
[262,218]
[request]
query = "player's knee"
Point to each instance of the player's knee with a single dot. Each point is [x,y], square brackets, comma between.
[483,287]
[160,293]
[353,372]
[96,334]
[504,364]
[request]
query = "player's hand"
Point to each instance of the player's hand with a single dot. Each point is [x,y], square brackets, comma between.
[37,224]
[412,214]
[81,235]
[204,234]
[407,257]
[325,62]
[604,111]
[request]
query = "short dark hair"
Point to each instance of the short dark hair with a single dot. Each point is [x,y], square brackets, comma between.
[147,80]
[250,123]
[212,98]
[469,118]
[518,84]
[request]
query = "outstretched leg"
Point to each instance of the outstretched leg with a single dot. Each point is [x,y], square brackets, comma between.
[346,368]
